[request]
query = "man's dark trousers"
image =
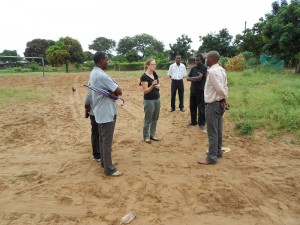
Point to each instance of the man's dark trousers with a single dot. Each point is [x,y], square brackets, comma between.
[106,133]
[95,138]
[197,104]
[214,119]
[177,85]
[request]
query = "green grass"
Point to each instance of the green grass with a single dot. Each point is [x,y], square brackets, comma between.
[265,98]
[20,94]
[39,70]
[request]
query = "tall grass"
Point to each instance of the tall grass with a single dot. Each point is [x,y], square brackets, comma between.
[265,98]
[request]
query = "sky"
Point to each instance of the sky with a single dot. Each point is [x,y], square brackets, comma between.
[166,20]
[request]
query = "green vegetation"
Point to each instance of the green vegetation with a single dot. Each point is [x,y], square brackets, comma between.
[20,94]
[64,52]
[265,98]
[37,69]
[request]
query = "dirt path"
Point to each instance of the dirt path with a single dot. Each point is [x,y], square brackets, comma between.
[48,176]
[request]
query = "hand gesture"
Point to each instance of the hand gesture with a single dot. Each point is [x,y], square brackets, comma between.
[154,82]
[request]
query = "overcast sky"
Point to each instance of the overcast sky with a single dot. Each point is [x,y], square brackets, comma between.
[166,20]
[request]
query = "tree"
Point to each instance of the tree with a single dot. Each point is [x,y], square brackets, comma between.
[282,27]
[252,40]
[126,47]
[147,45]
[181,47]
[9,53]
[220,42]
[103,44]
[66,50]
[139,46]
[87,56]
[37,48]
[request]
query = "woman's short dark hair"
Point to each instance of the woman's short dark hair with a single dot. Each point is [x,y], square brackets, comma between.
[98,56]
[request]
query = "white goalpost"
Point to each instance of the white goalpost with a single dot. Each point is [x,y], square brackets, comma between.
[42,58]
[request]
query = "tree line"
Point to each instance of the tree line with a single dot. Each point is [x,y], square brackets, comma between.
[278,33]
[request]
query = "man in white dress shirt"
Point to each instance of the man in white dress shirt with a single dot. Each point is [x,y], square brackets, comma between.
[215,94]
[176,72]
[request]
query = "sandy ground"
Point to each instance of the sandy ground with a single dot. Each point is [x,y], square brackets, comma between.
[48,175]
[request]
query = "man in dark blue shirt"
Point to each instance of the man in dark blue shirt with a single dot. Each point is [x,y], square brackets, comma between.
[197,76]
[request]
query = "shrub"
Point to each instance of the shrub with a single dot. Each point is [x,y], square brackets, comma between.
[89,64]
[251,63]
[247,55]
[118,59]
[236,63]
[162,63]
[245,127]
[78,66]
[223,60]
[34,66]
[250,60]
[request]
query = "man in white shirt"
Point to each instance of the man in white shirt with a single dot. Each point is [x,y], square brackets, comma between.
[176,72]
[215,94]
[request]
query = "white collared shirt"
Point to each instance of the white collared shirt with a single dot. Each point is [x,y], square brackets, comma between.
[216,87]
[177,72]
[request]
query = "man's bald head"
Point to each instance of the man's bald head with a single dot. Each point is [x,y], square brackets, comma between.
[212,58]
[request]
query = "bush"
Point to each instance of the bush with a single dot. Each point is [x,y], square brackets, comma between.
[250,60]
[34,66]
[247,55]
[78,66]
[236,63]
[251,63]
[245,127]
[118,59]
[162,63]
[89,64]
[223,60]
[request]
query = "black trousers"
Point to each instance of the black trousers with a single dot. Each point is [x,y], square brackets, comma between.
[177,85]
[95,138]
[197,106]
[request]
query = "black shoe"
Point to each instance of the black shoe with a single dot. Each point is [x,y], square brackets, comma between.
[171,110]
[182,110]
[192,124]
